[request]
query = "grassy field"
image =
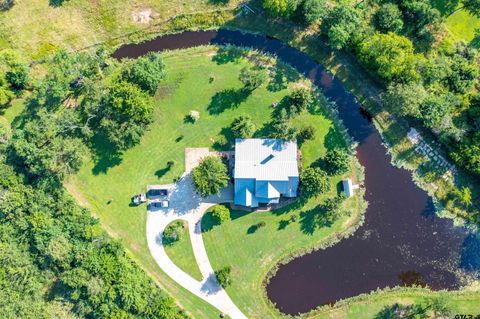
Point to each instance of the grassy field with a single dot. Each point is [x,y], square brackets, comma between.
[197,79]
[80,23]
[461,24]
[181,253]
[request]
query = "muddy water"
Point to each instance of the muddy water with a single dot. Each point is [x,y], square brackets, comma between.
[402,242]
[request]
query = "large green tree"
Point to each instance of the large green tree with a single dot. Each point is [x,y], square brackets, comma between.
[340,25]
[391,57]
[147,72]
[243,126]
[210,176]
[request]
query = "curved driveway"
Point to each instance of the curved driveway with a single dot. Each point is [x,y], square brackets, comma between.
[185,204]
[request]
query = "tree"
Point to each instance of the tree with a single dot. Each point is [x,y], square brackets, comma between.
[210,176]
[17,71]
[146,72]
[306,133]
[50,146]
[435,110]
[223,276]
[405,99]
[388,18]
[129,102]
[315,181]
[337,161]
[391,57]
[313,10]
[280,8]
[281,127]
[418,16]
[340,25]
[462,75]
[243,126]
[6,95]
[298,101]
[221,213]
[252,78]
[173,232]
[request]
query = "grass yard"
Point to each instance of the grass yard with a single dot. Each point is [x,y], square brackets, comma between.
[181,253]
[202,80]
[252,251]
[81,23]
[461,24]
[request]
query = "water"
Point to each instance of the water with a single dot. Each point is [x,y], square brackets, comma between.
[402,241]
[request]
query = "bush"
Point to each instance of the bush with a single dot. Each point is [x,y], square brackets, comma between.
[252,78]
[210,176]
[173,232]
[260,224]
[243,127]
[315,181]
[223,276]
[193,116]
[221,213]
[337,161]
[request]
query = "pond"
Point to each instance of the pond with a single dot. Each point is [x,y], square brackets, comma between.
[402,241]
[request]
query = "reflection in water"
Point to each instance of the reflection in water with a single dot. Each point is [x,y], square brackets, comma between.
[402,242]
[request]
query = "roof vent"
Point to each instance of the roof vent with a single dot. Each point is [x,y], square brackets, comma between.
[267,159]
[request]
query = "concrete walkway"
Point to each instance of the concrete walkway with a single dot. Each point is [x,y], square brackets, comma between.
[185,204]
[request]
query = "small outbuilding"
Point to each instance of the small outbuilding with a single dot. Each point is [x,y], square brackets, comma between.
[348,187]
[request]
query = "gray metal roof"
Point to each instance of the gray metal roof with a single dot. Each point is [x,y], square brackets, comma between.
[265,159]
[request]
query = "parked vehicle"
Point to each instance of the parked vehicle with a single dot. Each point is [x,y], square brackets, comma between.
[157,192]
[138,199]
[160,204]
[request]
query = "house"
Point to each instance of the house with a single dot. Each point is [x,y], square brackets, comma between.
[264,171]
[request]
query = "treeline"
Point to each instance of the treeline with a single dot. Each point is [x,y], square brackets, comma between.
[84,104]
[55,260]
[428,79]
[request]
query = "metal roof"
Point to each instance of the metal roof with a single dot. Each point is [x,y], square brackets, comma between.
[265,159]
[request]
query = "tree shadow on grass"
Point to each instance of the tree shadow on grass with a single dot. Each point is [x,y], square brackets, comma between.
[105,155]
[226,54]
[161,172]
[208,222]
[282,76]
[227,99]
[252,229]
[313,219]
[226,140]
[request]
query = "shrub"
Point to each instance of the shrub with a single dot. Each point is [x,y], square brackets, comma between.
[261,224]
[243,127]
[223,276]
[173,232]
[193,116]
[252,78]
[210,176]
[337,161]
[221,213]
[315,181]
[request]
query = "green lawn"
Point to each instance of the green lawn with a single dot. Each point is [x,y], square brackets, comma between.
[461,24]
[181,253]
[197,79]
[8,114]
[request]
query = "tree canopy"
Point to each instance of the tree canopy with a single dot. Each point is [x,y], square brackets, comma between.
[210,176]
